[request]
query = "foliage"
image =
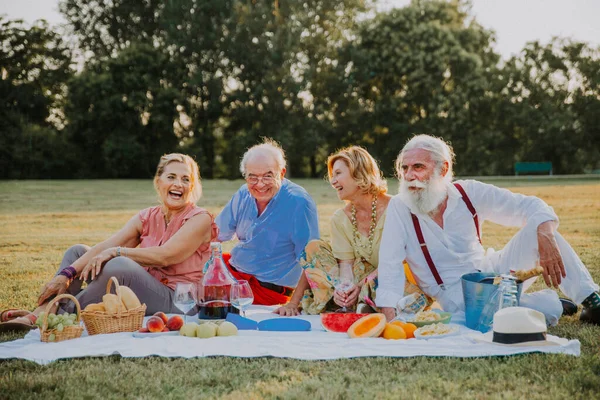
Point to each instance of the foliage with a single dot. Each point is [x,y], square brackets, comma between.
[211,77]
[34,66]
[121,114]
[419,69]
[552,94]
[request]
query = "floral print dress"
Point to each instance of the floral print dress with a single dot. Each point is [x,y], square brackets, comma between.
[320,264]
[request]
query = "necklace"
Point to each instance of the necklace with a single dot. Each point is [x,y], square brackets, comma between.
[371,227]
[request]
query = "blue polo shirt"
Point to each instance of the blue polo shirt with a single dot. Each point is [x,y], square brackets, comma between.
[270,244]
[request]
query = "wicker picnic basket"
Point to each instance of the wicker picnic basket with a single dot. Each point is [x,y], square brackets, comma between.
[68,332]
[97,322]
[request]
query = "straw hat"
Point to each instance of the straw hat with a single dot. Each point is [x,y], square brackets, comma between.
[520,326]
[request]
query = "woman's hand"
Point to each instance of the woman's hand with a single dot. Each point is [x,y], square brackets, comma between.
[347,299]
[57,286]
[94,266]
[288,310]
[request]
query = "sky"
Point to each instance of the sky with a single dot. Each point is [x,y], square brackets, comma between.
[516,22]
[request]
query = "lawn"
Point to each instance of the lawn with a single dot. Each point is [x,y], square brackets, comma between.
[41,219]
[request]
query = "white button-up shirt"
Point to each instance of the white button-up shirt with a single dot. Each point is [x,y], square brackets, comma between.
[455,249]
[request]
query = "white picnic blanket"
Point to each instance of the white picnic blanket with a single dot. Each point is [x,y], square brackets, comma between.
[316,344]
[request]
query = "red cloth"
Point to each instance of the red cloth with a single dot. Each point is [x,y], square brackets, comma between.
[262,295]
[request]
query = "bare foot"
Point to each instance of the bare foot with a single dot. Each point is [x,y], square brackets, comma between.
[29,319]
[19,324]
[8,315]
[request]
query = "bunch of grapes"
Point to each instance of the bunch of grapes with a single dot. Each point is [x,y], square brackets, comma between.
[58,322]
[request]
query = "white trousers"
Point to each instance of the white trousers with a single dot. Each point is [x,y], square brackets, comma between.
[521,253]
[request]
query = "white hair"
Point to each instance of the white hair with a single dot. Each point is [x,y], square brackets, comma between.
[439,149]
[268,147]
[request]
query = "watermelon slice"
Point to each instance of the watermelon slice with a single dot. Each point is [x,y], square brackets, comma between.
[339,322]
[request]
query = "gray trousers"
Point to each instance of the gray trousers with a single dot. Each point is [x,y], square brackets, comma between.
[157,296]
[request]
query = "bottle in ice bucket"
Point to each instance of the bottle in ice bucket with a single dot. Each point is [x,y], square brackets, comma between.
[213,299]
[505,296]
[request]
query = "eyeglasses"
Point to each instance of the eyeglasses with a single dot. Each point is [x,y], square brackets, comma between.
[266,179]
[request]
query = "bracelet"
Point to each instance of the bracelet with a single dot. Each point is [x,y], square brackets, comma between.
[124,251]
[119,251]
[70,272]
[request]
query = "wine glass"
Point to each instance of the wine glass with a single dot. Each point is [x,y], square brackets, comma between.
[345,281]
[185,297]
[241,295]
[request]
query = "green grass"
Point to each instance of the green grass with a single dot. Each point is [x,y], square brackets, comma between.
[41,219]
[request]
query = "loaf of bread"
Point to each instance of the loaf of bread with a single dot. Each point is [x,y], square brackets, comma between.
[112,304]
[129,299]
[95,307]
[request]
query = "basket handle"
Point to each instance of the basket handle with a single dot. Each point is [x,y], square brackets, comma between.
[54,302]
[114,281]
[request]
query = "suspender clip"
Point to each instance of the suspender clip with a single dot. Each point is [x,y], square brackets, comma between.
[443,287]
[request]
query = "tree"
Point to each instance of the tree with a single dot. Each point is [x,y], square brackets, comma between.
[121,114]
[418,69]
[280,58]
[554,90]
[35,64]
[105,27]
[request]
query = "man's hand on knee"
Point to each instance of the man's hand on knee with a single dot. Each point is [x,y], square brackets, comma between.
[550,258]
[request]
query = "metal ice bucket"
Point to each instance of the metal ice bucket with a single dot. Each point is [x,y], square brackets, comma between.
[477,294]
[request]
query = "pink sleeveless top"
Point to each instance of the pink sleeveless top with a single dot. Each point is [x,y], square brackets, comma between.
[156,232]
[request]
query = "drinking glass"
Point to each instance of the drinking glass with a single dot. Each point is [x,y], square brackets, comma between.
[241,296]
[185,297]
[345,281]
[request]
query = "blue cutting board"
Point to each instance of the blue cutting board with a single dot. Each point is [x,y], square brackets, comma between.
[284,325]
[242,323]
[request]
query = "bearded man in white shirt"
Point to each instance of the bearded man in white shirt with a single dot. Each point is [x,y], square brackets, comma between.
[435,224]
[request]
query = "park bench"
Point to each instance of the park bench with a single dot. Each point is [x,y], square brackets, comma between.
[533,168]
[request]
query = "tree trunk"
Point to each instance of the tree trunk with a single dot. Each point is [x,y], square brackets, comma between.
[313,166]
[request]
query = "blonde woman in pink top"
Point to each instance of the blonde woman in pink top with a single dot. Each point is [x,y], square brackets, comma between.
[157,248]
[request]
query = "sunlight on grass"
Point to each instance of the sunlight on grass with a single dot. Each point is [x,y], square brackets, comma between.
[41,219]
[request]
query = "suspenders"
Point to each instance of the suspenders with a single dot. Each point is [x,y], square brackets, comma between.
[470,207]
[419,232]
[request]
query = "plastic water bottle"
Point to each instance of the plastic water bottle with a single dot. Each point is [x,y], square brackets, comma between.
[508,288]
[505,296]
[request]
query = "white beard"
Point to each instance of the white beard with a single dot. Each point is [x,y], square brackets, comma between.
[433,193]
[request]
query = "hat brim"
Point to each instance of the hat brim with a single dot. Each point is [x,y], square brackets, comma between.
[550,341]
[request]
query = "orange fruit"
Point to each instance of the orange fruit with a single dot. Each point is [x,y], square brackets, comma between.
[409,328]
[393,331]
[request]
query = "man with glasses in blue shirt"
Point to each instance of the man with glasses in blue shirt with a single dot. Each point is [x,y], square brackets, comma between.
[273,219]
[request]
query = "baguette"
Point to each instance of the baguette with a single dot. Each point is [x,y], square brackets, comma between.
[527,274]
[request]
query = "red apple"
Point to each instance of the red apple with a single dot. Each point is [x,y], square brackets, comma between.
[165,329]
[155,324]
[144,330]
[162,316]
